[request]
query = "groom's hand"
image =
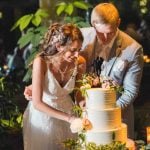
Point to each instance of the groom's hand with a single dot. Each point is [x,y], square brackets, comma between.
[28,92]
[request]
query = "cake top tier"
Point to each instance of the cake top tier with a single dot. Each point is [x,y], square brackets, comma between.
[99,98]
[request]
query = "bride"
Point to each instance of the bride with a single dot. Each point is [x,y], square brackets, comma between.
[48,116]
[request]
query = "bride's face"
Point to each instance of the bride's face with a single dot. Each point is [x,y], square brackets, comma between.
[72,53]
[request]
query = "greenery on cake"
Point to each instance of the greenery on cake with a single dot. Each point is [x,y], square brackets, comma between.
[115,145]
[80,144]
[93,81]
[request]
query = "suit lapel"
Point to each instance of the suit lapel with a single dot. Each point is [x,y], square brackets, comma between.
[115,52]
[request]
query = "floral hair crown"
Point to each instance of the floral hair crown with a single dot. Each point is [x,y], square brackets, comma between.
[58,36]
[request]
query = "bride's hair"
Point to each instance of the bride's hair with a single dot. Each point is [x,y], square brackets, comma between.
[59,34]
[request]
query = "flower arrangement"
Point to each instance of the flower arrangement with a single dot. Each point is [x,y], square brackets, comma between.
[79,124]
[93,81]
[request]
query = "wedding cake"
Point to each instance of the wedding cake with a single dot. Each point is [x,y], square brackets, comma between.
[104,116]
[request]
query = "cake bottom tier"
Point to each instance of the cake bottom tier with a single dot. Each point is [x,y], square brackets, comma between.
[107,136]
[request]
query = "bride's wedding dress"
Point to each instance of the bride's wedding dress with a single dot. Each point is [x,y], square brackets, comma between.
[42,132]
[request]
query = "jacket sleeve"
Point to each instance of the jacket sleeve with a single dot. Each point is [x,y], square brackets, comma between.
[132,79]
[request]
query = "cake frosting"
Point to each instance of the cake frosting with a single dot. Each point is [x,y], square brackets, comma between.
[105,117]
[98,98]
[107,136]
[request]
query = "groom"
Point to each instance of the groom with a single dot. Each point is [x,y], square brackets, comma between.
[122,55]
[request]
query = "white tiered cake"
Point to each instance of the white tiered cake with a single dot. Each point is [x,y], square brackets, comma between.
[105,117]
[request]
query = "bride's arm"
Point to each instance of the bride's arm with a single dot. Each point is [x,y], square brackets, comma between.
[38,77]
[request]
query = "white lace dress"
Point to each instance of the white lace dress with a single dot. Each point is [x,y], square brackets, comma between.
[42,132]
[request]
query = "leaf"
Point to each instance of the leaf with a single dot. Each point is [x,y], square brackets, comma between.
[2,83]
[26,39]
[68,19]
[77,18]
[42,12]
[30,29]
[36,40]
[77,110]
[19,22]
[79,21]
[19,118]
[24,22]
[36,20]
[81,5]
[31,57]
[28,75]
[61,8]
[7,123]
[69,9]
[15,25]
[41,29]
[82,24]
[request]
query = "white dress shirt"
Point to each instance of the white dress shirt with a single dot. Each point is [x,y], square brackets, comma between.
[104,50]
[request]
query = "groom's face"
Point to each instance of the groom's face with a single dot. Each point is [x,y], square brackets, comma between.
[105,32]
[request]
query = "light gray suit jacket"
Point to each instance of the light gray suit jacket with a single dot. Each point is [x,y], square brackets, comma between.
[125,65]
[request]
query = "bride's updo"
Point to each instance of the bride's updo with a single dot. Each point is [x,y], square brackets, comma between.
[59,34]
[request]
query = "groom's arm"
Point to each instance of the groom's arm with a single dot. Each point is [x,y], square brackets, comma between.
[132,79]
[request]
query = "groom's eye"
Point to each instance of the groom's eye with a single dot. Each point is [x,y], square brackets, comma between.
[75,49]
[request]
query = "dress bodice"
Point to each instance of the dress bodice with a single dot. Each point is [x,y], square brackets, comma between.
[53,90]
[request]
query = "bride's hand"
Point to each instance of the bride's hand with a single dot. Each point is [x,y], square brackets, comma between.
[71,118]
[82,104]
[28,92]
